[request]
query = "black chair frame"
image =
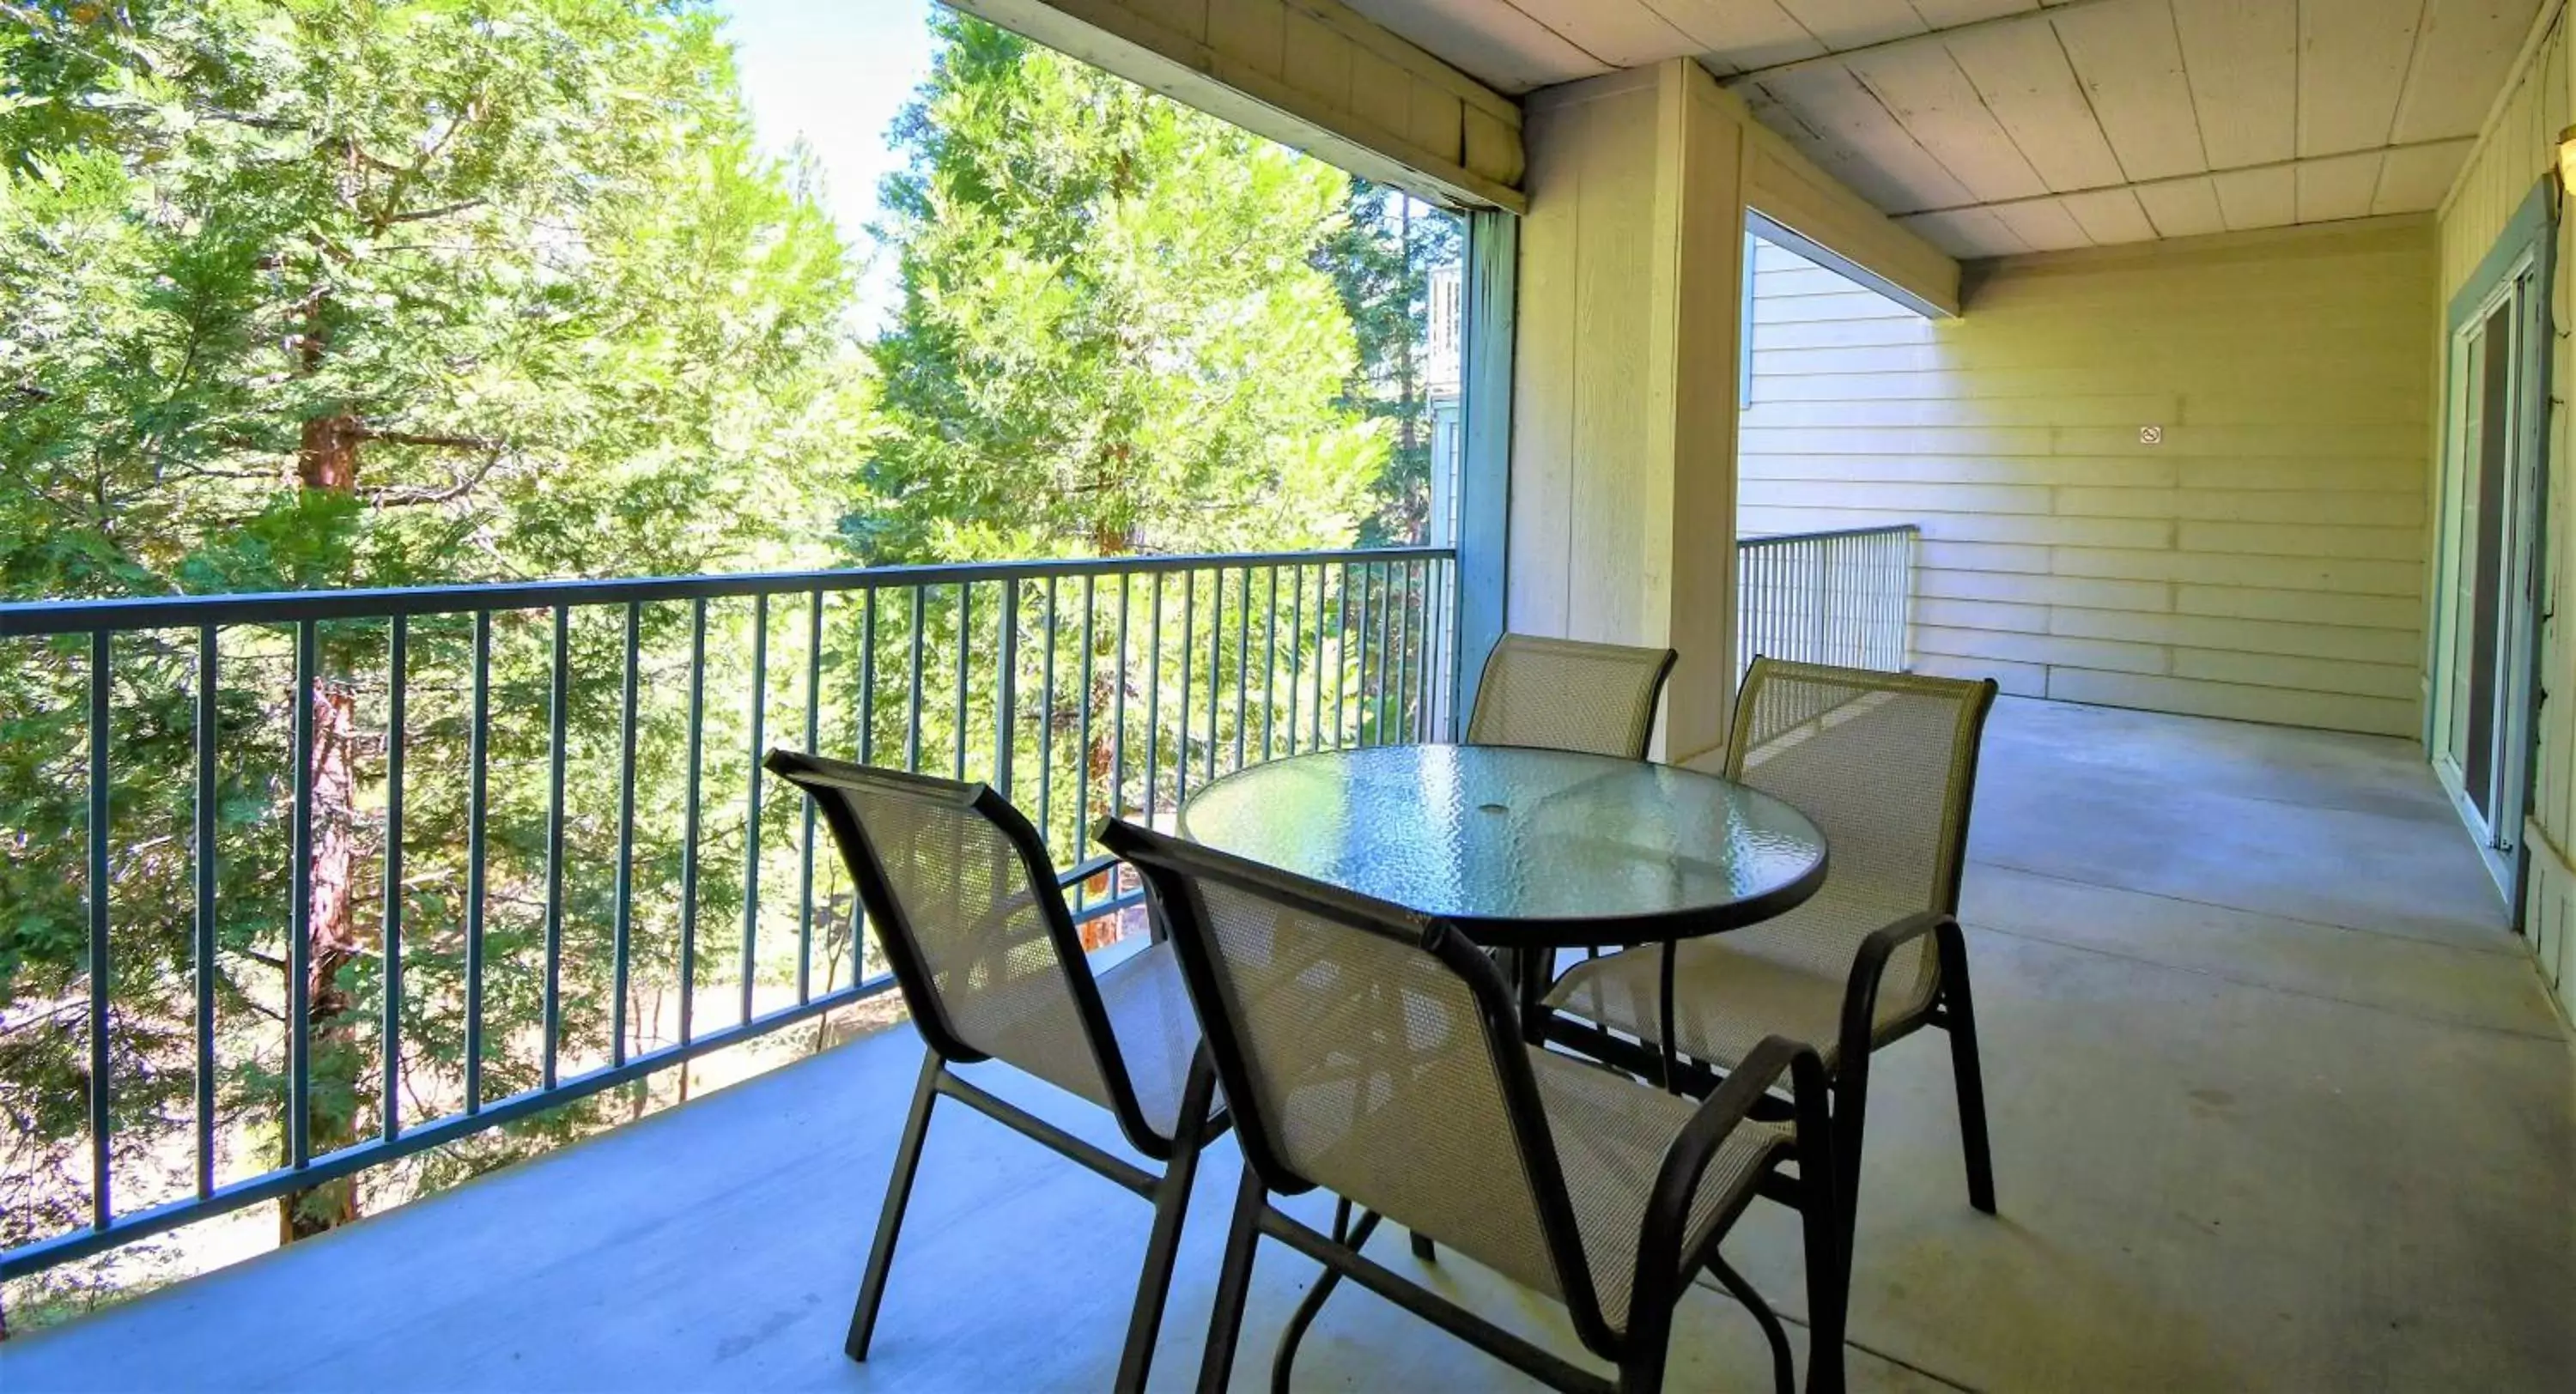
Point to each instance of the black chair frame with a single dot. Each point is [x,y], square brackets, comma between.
[1197,1126]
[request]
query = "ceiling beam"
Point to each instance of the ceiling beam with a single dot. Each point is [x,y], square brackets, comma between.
[1911,41]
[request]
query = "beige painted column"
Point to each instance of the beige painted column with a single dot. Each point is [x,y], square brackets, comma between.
[1624,379]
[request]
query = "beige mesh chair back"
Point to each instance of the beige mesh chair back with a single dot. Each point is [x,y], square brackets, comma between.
[971,916]
[1377,1054]
[1885,764]
[1562,694]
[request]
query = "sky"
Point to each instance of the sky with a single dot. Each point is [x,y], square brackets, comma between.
[835,72]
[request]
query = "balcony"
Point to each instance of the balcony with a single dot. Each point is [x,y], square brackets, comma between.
[2232,978]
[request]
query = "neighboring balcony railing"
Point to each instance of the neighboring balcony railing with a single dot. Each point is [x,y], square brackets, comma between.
[339,876]
[1844,597]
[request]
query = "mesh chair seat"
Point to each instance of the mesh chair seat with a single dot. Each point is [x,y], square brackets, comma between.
[1611,1134]
[1732,990]
[1149,1012]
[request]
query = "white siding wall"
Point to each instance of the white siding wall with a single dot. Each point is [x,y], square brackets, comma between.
[2263,561]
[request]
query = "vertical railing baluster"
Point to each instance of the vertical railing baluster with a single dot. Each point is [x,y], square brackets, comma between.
[1153,696]
[1340,668]
[1118,717]
[208,665]
[299,947]
[868,678]
[1189,656]
[1082,756]
[397,683]
[1296,646]
[1216,664]
[1356,710]
[1006,702]
[1417,651]
[1389,606]
[1270,667]
[558,726]
[912,720]
[101,1197]
[805,850]
[622,931]
[478,760]
[965,641]
[1315,713]
[1046,735]
[689,822]
[751,795]
[1399,654]
[1242,664]
[867,756]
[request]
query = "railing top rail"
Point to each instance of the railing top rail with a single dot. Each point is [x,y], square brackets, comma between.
[1881,530]
[27,619]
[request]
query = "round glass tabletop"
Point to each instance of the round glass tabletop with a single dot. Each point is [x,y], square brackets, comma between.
[1527,847]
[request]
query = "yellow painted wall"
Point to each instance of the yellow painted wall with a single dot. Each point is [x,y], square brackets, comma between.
[2262,562]
[2514,153]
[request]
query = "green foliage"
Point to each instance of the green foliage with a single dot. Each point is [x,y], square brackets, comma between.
[1112,337]
[336,293]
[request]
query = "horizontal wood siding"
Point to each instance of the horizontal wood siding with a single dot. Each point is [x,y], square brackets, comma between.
[2263,561]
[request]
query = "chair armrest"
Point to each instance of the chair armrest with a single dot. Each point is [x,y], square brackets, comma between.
[1687,1159]
[1083,871]
[1869,969]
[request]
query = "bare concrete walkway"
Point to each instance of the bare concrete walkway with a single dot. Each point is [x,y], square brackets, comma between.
[2278,1104]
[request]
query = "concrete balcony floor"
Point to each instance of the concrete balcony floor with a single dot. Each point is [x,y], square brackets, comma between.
[2277,1104]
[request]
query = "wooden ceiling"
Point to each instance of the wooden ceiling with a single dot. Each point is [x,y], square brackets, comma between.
[2001,126]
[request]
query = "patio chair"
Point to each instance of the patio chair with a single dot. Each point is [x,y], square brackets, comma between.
[1377,1054]
[1563,694]
[972,918]
[1886,764]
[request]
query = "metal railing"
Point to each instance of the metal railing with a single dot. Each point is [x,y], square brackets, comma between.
[346,875]
[1843,597]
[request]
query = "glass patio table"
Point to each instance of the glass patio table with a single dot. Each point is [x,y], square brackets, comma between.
[1530,851]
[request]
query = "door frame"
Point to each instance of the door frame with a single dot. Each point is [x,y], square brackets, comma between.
[2525,251]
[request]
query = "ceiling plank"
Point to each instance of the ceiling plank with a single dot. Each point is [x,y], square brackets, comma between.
[1841,24]
[2413,178]
[2338,186]
[2257,198]
[1966,232]
[1923,89]
[2022,73]
[2353,57]
[2182,207]
[2462,54]
[1486,39]
[1832,103]
[2131,65]
[1623,34]
[2242,58]
[2110,216]
[1734,35]
[2044,223]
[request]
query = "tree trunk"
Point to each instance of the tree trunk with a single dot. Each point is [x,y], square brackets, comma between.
[328,459]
